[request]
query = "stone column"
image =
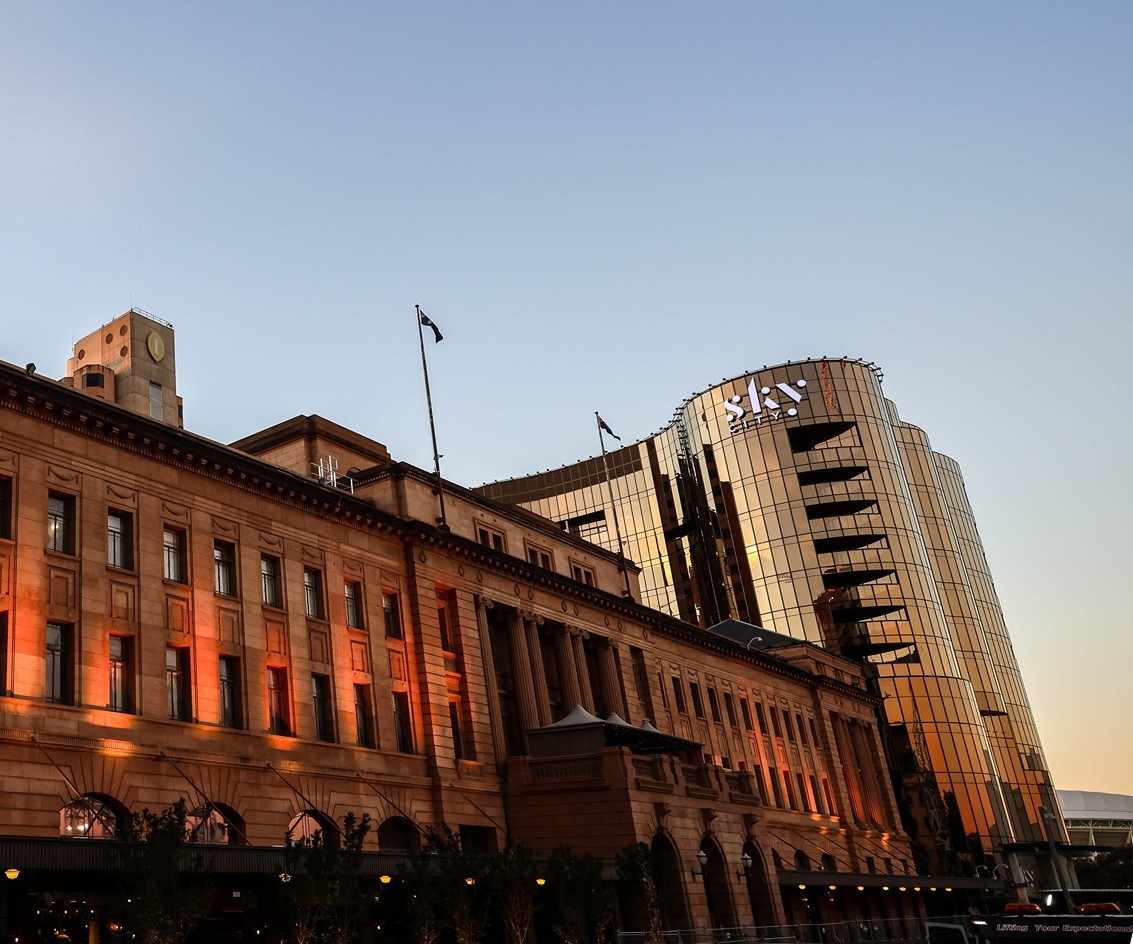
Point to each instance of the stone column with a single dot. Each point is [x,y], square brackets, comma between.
[521,676]
[538,673]
[576,639]
[568,676]
[608,676]
[495,715]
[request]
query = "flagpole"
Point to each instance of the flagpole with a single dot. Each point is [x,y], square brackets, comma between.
[613,505]
[442,523]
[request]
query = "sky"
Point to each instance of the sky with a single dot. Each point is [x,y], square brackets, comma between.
[609,206]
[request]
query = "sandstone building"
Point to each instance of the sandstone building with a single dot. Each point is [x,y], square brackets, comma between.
[278,632]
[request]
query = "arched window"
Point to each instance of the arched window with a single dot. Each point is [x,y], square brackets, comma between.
[214,826]
[802,861]
[828,863]
[89,817]
[398,834]
[304,827]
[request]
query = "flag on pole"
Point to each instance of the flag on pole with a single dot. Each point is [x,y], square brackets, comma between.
[606,426]
[428,323]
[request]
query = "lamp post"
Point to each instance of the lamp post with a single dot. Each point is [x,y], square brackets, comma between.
[1055,858]
[702,858]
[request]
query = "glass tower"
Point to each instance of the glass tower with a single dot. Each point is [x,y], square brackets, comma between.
[795,498]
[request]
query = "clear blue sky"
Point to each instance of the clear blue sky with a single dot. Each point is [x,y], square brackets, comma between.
[607,206]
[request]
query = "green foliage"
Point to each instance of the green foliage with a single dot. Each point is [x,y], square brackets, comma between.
[583,903]
[164,887]
[324,892]
[1112,869]
[636,866]
[511,880]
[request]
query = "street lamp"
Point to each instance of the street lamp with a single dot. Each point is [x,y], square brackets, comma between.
[702,858]
[1055,859]
[745,861]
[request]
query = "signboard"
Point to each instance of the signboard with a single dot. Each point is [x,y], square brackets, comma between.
[763,404]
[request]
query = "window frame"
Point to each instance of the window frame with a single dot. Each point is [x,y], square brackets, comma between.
[322,702]
[120,541]
[174,554]
[355,607]
[279,710]
[271,581]
[224,568]
[178,683]
[231,714]
[314,600]
[121,673]
[58,680]
[61,523]
[391,614]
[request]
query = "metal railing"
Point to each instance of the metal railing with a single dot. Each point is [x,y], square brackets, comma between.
[880,931]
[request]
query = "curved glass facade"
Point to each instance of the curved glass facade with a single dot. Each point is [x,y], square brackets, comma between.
[796,499]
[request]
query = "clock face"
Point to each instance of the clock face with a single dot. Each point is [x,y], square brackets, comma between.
[156,346]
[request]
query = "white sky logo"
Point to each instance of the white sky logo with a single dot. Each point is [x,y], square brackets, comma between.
[739,418]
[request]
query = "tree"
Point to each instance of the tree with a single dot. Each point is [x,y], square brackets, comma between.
[511,880]
[583,902]
[324,889]
[446,889]
[636,867]
[164,886]
[1113,869]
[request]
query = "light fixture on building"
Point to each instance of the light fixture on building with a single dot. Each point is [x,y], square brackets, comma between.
[385,879]
[285,877]
[702,858]
[540,881]
[861,888]
[470,880]
[745,861]
[12,873]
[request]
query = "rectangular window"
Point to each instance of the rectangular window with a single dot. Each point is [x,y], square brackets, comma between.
[713,704]
[679,695]
[746,712]
[540,557]
[446,620]
[457,731]
[270,571]
[119,539]
[801,728]
[177,682]
[279,720]
[402,723]
[363,716]
[760,717]
[392,615]
[156,408]
[61,523]
[224,567]
[730,709]
[313,592]
[4,685]
[324,713]
[582,574]
[57,686]
[121,674]
[173,550]
[489,537]
[354,605]
[6,509]
[231,715]
[775,721]
[697,702]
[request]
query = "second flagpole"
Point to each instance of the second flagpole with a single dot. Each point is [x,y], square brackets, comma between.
[442,522]
[614,507]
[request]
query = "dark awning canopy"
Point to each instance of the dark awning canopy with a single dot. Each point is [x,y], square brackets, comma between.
[580,732]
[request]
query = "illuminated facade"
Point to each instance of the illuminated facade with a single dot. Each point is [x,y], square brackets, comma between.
[796,498]
[278,632]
